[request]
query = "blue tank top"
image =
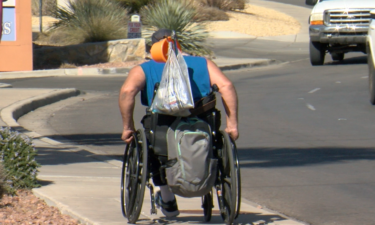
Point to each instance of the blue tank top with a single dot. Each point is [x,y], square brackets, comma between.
[198,72]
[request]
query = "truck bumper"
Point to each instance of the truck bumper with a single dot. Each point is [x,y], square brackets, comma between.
[341,34]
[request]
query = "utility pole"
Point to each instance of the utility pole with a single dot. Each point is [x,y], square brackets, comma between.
[40,16]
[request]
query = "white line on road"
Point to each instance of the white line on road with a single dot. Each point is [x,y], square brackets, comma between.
[310,106]
[364,77]
[76,177]
[315,90]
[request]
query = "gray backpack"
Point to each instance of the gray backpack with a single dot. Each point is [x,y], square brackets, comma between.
[191,168]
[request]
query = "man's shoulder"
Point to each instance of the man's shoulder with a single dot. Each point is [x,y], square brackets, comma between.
[152,63]
[195,59]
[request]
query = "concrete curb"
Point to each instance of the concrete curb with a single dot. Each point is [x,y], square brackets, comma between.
[3,85]
[64,209]
[116,71]
[11,113]
[64,72]
[260,63]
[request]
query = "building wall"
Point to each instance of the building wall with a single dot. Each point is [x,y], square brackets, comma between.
[16,44]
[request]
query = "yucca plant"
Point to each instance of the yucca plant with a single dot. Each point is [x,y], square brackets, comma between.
[90,21]
[177,15]
[134,6]
[17,155]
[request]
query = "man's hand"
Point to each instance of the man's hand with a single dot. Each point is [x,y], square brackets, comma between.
[127,136]
[233,133]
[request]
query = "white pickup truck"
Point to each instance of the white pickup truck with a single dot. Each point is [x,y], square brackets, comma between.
[371,57]
[338,27]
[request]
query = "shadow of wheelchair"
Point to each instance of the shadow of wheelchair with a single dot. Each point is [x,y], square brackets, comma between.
[189,217]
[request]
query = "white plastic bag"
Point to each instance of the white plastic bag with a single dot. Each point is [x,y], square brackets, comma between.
[174,96]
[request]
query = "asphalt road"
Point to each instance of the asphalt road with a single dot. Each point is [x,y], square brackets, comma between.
[306,145]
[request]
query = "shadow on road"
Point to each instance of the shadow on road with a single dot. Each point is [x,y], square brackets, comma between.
[349,61]
[90,139]
[288,157]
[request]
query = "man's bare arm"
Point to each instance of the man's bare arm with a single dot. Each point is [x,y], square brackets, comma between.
[229,97]
[132,85]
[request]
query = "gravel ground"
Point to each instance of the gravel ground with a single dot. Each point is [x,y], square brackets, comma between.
[25,208]
[257,21]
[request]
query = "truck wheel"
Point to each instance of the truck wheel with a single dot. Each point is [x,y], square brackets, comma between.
[337,56]
[317,53]
[371,77]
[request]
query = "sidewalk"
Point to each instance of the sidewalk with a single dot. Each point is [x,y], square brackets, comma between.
[86,185]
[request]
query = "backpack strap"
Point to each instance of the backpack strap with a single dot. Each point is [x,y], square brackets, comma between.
[205,104]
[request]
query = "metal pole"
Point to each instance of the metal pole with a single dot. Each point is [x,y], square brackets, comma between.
[40,16]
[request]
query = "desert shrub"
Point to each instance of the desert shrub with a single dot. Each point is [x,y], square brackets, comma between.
[2,181]
[225,5]
[47,7]
[65,36]
[210,14]
[177,15]
[17,154]
[239,4]
[134,6]
[89,21]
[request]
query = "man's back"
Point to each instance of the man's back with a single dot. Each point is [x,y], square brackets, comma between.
[198,72]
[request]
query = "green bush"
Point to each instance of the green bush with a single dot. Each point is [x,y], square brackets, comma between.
[177,15]
[47,7]
[134,6]
[17,154]
[89,21]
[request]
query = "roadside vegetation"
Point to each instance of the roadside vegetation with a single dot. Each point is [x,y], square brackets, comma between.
[104,20]
[88,21]
[178,16]
[18,168]
[47,7]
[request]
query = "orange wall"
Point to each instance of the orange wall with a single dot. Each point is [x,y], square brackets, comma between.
[18,55]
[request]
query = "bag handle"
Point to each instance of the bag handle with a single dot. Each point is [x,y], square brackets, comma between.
[174,39]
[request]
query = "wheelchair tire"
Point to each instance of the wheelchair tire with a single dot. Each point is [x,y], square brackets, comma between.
[228,175]
[134,176]
[207,206]
[237,166]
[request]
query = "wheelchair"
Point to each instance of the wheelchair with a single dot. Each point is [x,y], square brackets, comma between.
[136,169]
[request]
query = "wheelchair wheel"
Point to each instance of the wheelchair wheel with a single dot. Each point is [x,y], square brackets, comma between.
[229,184]
[207,206]
[237,166]
[134,176]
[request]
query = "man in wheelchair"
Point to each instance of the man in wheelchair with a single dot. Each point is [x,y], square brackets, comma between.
[204,77]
